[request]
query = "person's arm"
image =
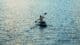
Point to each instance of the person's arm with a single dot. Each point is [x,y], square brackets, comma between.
[37,20]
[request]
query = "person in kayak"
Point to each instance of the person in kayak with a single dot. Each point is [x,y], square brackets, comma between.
[41,22]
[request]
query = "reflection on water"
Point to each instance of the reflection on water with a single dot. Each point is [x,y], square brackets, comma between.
[18,16]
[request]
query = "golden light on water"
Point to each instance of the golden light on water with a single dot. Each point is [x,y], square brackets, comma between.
[20,15]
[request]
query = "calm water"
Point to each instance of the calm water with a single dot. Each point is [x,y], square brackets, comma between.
[18,16]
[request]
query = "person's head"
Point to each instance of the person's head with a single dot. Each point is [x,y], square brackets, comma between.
[41,17]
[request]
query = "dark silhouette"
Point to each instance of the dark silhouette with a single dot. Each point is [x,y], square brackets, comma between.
[42,23]
[45,13]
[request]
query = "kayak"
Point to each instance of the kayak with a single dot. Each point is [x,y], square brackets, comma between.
[42,24]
